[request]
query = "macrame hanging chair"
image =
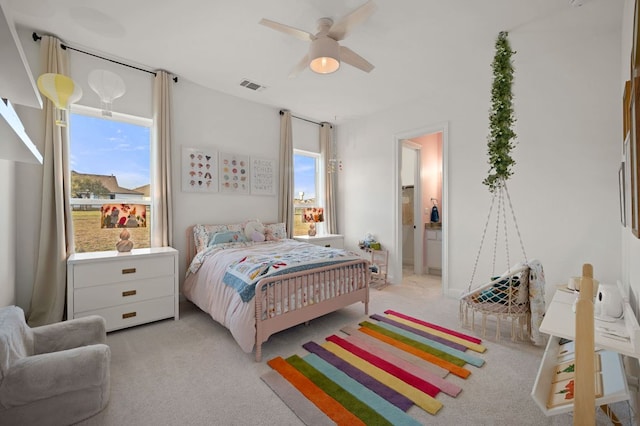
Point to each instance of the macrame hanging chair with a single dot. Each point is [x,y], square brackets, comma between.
[517,294]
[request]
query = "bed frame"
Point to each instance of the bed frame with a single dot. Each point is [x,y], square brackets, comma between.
[349,279]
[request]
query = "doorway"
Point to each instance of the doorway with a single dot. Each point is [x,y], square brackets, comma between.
[428,190]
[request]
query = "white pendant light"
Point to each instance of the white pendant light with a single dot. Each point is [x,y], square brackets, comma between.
[324,54]
[109,86]
[62,91]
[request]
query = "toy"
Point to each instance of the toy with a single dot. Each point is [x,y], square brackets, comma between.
[254,230]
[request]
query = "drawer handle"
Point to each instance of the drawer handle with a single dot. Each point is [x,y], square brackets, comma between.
[128,315]
[129,293]
[129,271]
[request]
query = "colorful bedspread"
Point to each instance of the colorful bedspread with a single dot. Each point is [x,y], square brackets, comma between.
[244,274]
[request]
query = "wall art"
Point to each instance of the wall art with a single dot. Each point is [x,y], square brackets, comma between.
[199,170]
[263,176]
[234,173]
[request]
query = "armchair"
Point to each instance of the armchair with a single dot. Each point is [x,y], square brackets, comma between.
[56,374]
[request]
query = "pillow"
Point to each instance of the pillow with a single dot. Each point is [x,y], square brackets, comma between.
[278,231]
[254,231]
[227,237]
[202,233]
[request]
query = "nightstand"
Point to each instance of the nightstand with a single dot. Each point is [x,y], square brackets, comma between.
[327,240]
[126,289]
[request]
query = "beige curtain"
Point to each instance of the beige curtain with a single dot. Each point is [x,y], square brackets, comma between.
[161,212]
[285,211]
[330,169]
[56,228]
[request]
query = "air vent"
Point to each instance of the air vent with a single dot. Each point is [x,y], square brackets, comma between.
[252,85]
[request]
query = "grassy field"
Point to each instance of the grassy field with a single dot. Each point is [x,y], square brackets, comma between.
[90,237]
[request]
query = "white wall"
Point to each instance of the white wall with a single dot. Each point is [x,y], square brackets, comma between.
[564,191]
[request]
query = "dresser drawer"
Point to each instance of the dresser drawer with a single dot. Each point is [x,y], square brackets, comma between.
[131,314]
[104,296]
[122,270]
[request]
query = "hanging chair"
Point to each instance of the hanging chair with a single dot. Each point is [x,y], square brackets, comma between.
[517,294]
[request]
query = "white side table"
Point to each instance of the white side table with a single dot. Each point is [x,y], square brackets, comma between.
[126,289]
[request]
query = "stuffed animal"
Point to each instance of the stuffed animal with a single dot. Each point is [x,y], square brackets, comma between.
[268,234]
[254,230]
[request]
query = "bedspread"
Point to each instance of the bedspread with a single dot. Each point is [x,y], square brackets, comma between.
[204,284]
[244,274]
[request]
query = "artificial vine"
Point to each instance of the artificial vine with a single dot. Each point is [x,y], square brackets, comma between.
[501,117]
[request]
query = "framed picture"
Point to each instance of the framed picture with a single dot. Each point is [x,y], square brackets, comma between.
[234,173]
[199,170]
[621,188]
[263,176]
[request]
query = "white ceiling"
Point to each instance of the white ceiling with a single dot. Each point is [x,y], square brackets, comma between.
[417,46]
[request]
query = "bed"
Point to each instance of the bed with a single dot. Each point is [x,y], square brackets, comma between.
[258,288]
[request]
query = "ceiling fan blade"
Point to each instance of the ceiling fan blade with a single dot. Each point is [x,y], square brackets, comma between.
[302,35]
[341,29]
[300,66]
[352,58]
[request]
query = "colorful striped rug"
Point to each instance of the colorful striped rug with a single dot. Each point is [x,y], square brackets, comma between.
[373,374]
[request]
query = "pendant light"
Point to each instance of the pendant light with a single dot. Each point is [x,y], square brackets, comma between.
[109,86]
[62,91]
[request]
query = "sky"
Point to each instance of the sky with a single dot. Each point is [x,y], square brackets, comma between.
[304,168]
[107,147]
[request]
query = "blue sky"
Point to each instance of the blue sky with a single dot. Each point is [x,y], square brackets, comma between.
[305,176]
[106,147]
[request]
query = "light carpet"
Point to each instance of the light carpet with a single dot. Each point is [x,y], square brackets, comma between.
[192,372]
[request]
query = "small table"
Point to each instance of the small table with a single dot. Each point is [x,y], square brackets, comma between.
[379,262]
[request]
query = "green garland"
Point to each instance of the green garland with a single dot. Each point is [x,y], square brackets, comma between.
[501,117]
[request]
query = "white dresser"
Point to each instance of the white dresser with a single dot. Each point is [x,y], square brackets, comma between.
[126,289]
[328,240]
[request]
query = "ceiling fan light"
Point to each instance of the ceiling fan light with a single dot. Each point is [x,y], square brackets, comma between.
[324,55]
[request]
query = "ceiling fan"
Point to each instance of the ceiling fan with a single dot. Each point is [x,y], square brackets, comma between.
[325,53]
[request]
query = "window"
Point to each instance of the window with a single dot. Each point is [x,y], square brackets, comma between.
[306,184]
[110,163]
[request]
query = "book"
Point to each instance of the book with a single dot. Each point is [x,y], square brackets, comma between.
[562,392]
[566,370]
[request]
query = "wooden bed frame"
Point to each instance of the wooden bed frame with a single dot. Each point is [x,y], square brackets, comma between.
[349,279]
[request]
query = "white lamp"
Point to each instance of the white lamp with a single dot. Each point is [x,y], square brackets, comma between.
[109,86]
[324,53]
[62,91]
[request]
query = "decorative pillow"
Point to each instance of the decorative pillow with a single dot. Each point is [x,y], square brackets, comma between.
[227,237]
[202,233]
[254,231]
[278,231]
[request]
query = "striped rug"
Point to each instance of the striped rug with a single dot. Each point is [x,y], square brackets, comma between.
[373,373]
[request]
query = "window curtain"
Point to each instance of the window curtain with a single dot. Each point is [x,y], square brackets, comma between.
[161,212]
[285,212]
[56,226]
[328,155]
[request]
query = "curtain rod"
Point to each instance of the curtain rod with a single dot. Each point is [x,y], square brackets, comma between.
[36,37]
[305,119]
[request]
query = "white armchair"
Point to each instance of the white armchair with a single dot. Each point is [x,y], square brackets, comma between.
[57,374]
